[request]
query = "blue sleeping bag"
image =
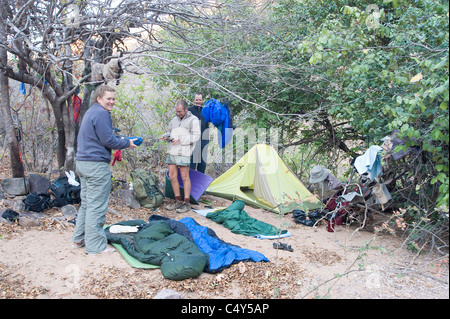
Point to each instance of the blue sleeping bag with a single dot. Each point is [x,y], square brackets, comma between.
[220,254]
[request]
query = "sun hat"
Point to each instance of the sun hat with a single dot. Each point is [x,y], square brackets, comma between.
[318,174]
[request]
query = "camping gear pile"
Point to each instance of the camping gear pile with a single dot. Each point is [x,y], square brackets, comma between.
[37,194]
[356,201]
[41,193]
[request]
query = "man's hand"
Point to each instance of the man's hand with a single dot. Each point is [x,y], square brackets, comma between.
[166,137]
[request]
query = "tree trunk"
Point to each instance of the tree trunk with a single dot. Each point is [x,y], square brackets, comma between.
[61,145]
[68,119]
[69,130]
[13,144]
[16,164]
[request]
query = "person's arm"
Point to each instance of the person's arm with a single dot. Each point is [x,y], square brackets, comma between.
[104,131]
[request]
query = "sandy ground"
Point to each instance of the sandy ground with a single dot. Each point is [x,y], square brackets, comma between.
[39,262]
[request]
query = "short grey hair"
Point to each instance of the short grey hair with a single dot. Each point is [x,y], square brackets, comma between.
[182,103]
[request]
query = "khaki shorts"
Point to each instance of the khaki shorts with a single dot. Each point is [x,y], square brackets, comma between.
[178,160]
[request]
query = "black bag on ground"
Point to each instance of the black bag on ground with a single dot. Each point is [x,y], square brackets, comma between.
[311,217]
[37,202]
[10,215]
[65,193]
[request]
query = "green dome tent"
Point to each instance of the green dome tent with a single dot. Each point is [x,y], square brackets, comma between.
[261,179]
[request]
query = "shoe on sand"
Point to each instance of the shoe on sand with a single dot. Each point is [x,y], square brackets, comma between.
[283,246]
[175,205]
[184,208]
[78,245]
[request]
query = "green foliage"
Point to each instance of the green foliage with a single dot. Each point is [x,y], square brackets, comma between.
[387,62]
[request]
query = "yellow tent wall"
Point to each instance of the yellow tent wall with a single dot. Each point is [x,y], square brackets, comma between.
[261,178]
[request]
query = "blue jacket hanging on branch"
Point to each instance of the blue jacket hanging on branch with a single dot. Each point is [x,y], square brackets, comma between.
[22,88]
[220,116]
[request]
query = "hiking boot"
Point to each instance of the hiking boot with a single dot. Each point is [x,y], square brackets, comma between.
[184,208]
[175,205]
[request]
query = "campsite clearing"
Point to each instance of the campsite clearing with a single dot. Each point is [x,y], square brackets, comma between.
[39,262]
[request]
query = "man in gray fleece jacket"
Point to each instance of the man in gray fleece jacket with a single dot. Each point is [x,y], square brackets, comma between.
[95,143]
[184,131]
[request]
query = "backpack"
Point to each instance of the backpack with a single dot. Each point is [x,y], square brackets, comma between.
[65,193]
[311,217]
[37,202]
[146,188]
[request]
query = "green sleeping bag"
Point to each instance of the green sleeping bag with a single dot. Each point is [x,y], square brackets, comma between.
[157,244]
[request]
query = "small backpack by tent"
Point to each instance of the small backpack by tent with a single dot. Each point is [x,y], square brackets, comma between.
[261,178]
[146,188]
